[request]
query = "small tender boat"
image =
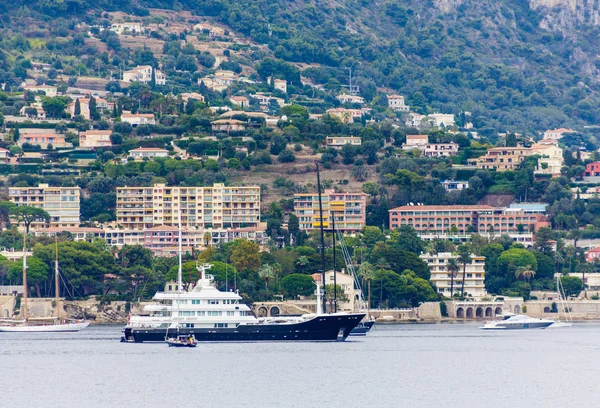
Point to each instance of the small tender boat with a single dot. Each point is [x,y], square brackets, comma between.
[517,322]
[362,328]
[182,340]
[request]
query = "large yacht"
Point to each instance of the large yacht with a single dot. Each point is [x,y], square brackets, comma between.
[517,322]
[209,314]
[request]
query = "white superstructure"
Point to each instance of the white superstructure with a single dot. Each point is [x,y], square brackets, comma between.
[202,306]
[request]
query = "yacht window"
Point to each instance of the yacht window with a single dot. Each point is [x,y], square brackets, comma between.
[230,313]
[186,313]
[213,302]
[195,301]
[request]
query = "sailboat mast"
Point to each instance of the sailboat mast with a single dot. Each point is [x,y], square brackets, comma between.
[25,305]
[334,266]
[179,269]
[56,280]
[324,303]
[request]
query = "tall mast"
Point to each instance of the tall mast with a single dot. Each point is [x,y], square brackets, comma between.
[179,269]
[56,279]
[334,266]
[324,303]
[26,306]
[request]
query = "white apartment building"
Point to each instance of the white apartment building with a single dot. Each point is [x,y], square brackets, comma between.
[442,279]
[143,74]
[142,153]
[62,203]
[345,98]
[135,119]
[215,207]
[441,119]
[440,149]
[396,102]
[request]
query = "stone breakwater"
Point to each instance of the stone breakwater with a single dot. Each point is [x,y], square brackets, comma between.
[95,311]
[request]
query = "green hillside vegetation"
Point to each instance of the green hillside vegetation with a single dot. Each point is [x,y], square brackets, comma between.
[491,59]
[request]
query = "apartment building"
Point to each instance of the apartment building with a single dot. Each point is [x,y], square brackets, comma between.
[349,210]
[62,203]
[337,142]
[442,279]
[92,139]
[415,142]
[502,158]
[217,207]
[440,220]
[143,74]
[440,149]
[396,102]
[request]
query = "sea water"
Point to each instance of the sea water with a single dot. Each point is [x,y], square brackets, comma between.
[436,365]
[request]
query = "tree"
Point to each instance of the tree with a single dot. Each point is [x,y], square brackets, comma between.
[266,273]
[402,290]
[464,258]
[452,269]
[28,215]
[6,209]
[54,107]
[278,145]
[135,255]
[77,108]
[298,284]
[225,275]
[245,256]
[348,153]
[189,274]
[93,109]
[572,285]
[367,274]
[37,272]
[525,272]
[116,138]
[542,240]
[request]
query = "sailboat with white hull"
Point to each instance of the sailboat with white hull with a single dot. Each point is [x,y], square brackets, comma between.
[42,324]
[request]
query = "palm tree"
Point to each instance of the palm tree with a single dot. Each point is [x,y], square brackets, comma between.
[570,253]
[583,268]
[207,238]
[266,272]
[452,269]
[464,258]
[526,272]
[367,273]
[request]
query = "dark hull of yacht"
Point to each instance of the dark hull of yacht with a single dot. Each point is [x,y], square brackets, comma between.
[362,328]
[321,328]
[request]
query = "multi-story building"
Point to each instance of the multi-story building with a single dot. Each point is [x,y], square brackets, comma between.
[442,279]
[143,74]
[142,153]
[415,142]
[502,158]
[415,120]
[337,142]
[135,119]
[62,203]
[551,157]
[432,221]
[47,90]
[396,102]
[92,139]
[349,210]
[451,185]
[216,207]
[441,119]
[440,149]
[557,134]
[345,98]
[42,138]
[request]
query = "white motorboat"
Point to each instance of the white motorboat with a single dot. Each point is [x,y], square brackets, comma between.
[518,322]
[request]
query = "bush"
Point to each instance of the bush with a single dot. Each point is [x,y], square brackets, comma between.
[286,157]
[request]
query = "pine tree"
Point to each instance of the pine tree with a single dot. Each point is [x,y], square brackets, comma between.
[115,111]
[77,109]
[16,134]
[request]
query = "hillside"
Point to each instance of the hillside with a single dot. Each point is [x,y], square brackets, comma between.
[514,65]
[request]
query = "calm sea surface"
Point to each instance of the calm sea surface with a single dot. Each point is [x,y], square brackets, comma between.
[446,365]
